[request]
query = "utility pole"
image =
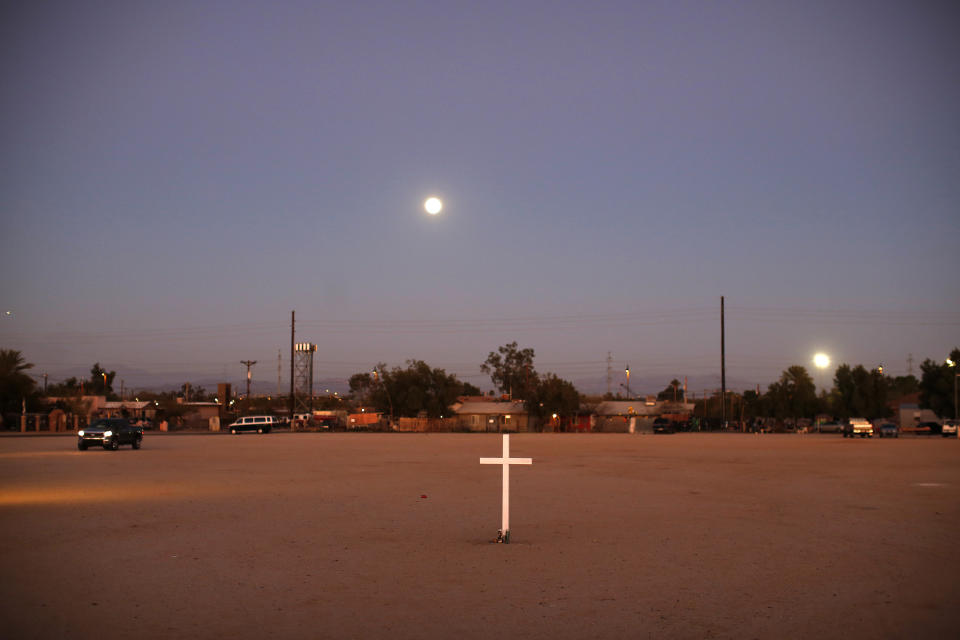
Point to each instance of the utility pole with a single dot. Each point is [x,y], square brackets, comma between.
[249,364]
[279,371]
[609,372]
[293,330]
[909,364]
[45,385]
[723,370]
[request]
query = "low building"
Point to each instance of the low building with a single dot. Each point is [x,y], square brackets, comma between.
[635,416]
[133,409]
[85,409]
[480,413]
[200,415]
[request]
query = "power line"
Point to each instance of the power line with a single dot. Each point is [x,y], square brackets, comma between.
[765,315]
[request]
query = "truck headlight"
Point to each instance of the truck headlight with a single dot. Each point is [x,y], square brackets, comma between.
[80,433]
[107,433]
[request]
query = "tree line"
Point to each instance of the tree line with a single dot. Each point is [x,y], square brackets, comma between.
[421,390]
[856,392]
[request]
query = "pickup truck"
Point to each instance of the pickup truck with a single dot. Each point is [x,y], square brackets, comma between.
[857,427]
[109,433]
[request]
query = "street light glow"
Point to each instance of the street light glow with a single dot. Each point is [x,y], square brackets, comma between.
[821,360]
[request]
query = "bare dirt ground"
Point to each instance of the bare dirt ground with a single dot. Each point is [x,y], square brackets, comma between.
[614,536]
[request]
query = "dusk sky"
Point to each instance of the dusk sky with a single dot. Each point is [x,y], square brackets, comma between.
[179,176]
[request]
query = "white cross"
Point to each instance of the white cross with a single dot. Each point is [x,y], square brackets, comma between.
[506,461]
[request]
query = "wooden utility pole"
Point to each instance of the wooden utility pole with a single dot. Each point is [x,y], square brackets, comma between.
[249,364]
[723,371]
[609,373]
[293,330]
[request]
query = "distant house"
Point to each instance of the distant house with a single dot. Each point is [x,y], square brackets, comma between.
[89,408]
[130,409]
[480,413]
[631,416]
[200,415]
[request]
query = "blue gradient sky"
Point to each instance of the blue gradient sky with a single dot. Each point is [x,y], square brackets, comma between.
[178,176]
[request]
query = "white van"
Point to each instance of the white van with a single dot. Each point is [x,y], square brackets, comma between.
[260,424]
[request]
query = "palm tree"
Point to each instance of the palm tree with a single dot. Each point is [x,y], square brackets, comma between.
[15,385]
[12,363]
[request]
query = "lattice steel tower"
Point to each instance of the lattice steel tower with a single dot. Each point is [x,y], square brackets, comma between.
[303,377]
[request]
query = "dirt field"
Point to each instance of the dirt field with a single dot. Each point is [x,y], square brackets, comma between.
[614,536]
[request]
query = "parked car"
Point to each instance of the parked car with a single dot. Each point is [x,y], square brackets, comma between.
[949,428]
[857,427]
[929,428]
[260,424]
[662,425]
[888,430]
[109,433]
[830,427]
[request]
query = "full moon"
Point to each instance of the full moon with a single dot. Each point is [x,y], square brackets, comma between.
[821,360]
[433,206]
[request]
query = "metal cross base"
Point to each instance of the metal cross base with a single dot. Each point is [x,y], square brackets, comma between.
[502,538]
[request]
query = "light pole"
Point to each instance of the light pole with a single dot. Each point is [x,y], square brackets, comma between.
[952,364]
[627,370]
[377,376]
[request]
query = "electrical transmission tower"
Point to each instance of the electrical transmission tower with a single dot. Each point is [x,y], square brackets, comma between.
[303,377]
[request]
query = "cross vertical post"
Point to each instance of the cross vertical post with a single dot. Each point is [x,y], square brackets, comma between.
[506,461]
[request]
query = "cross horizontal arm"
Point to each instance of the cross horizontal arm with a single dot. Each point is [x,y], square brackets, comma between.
[509,460]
